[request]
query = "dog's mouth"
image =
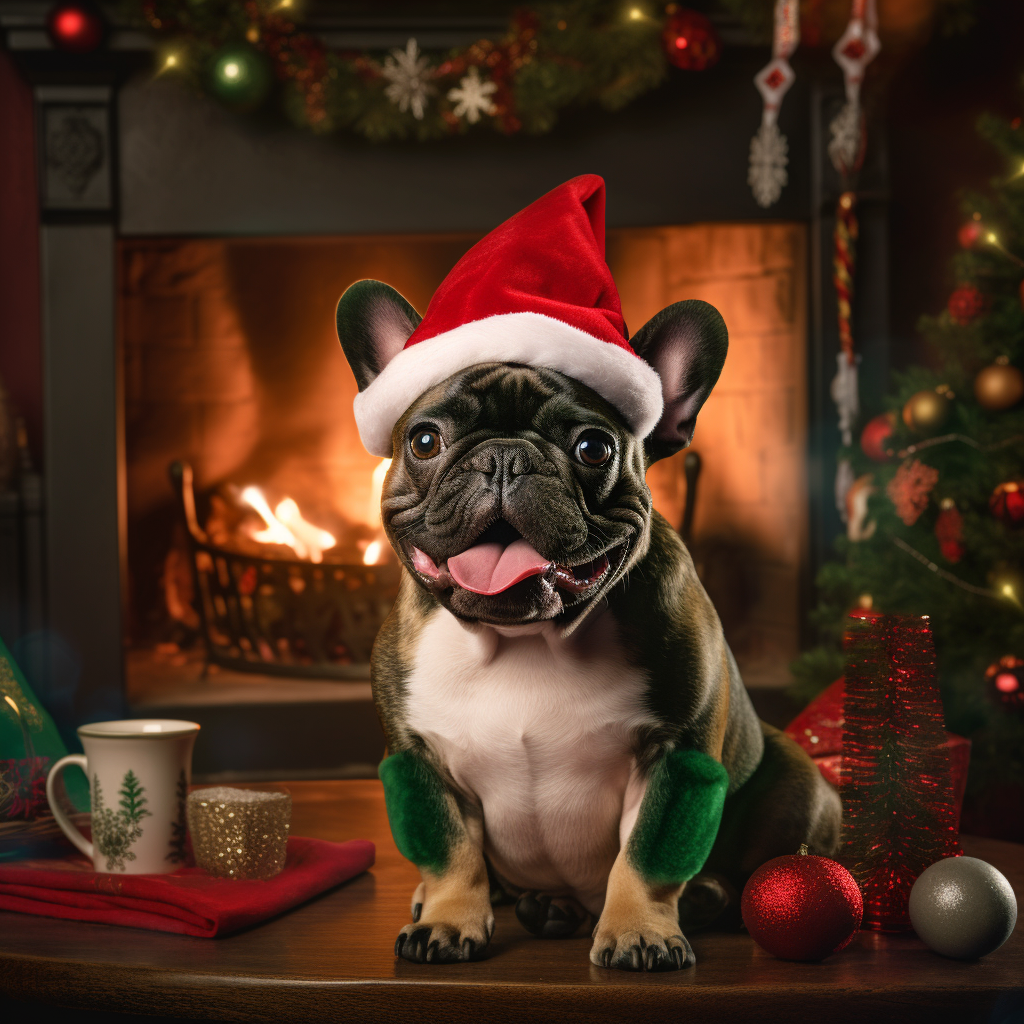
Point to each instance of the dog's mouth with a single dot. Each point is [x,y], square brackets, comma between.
[501,557]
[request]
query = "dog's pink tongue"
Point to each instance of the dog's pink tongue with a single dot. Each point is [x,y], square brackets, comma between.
[491,568]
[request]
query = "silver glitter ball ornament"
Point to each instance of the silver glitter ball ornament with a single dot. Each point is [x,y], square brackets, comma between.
[963,908]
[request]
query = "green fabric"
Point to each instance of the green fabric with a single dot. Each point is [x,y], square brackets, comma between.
[29,746]
[420,810]
[678,818]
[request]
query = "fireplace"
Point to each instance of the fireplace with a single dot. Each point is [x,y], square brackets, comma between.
[188,295]
[232,366]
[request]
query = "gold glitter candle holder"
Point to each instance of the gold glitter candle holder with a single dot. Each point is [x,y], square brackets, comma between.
[239,833]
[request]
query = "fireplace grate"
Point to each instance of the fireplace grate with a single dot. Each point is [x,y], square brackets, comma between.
[279,616]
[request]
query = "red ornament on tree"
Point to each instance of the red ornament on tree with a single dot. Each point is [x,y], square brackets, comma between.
[802,907]
[875,436]
[949,531]
[690,40]
[1007,502]
[965,304]
[899,809]
[1006,681]
[970,234]
[75,26]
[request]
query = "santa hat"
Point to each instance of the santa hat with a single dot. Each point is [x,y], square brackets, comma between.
[535,291]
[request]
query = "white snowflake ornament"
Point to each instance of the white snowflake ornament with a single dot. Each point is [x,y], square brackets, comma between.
[769,158]
[473,97]
[409,73]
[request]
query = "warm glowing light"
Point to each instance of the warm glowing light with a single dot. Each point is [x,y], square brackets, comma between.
[17,710]
[376,489]
[682,42]
[286,525]
[69,24]
[172,61]
[992,238]
[635,14]
[1007,590]
[373,552]
[231,70]
[1006,682]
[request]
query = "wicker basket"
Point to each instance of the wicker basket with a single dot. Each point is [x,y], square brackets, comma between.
[284,617]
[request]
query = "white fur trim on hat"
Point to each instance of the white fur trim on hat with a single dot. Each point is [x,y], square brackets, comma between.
[533,339]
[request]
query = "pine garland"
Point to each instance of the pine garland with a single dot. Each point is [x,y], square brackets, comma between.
[552,57]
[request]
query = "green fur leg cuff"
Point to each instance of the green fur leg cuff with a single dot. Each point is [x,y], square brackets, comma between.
[420,811]
[679,817]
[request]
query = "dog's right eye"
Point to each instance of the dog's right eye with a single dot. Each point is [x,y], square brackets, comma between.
[425,442]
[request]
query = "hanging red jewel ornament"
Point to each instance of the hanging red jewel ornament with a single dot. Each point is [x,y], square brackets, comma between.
[966,303]
[856,48]
[1007,502]
[802,907]
[769,150]
[78,27]
[949,531]
[874,438]
[690,40]
[1006,682]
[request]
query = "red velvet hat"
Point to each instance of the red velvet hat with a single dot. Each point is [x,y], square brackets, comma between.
[535,291]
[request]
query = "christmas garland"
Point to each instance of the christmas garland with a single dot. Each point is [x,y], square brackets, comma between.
[552,57]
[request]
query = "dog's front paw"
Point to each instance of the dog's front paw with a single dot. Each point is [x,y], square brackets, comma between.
[426,942]
[650,947]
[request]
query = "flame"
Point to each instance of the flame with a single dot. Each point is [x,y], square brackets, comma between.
[286,525]
[373,553]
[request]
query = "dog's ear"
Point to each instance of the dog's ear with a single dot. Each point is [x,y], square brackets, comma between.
[686,343]
[374,323]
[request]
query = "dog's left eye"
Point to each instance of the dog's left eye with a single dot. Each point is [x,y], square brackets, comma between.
[594,448]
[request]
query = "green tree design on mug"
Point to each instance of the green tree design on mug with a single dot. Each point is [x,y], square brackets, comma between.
[115,832]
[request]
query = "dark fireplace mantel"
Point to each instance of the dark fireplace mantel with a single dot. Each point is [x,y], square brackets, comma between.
[122,154]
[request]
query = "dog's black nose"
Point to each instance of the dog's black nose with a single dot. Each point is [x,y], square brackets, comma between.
[503,460]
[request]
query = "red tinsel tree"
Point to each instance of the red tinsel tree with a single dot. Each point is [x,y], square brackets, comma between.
[899,813]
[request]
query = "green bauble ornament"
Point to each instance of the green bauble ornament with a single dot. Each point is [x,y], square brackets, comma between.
[963,908]
[240,76]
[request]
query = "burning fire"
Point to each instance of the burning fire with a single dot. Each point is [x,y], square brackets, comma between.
[286,525]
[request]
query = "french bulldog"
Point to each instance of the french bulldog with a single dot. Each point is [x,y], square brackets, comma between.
[566,726]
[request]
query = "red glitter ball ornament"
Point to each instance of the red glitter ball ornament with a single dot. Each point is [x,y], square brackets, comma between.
[966,304]
[1007,502]
[690,41]
[969,234]
[75,26]
[875,437]
[802,907]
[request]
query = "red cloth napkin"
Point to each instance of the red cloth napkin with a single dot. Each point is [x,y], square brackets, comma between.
[189,901]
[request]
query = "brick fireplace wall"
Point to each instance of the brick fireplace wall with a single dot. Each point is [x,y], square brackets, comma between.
[230,361]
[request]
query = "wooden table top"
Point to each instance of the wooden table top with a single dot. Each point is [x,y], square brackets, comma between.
[332,959]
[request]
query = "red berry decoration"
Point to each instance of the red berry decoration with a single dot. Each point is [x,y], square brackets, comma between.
[802,907]
[875,436]
[1006,682]
[78,27]
[690,41]
[1007,502]
[965,304]
[969,234]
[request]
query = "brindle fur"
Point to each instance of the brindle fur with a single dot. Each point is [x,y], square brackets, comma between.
[509,432]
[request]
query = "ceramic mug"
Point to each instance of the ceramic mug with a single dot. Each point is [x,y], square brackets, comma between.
[139,771]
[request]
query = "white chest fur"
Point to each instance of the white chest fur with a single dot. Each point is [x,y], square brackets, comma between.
[538,732]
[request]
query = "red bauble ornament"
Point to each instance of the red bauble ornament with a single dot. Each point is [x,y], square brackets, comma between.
[1007,502]
[969,234]
[802,907]
[949,530]
[75,26]
[875,435]
[690,41]
[965,304]
[1005,678]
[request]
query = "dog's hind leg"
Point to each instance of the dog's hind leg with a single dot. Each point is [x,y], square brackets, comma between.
[550,917]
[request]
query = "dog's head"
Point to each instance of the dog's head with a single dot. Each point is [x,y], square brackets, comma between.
[517,494]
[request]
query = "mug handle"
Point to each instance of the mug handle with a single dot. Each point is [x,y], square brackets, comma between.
[59,816]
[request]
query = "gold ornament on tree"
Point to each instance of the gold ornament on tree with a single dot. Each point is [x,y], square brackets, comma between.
[927,411]
[999,386]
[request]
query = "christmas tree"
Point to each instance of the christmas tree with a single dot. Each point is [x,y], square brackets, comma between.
[935,519]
